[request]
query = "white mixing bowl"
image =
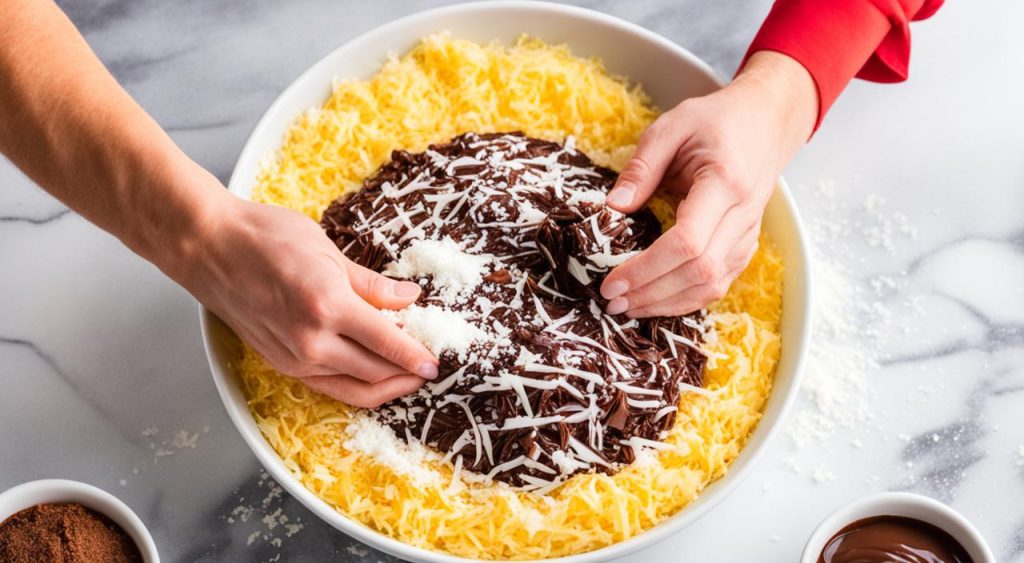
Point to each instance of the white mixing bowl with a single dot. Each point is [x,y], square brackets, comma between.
[667,72]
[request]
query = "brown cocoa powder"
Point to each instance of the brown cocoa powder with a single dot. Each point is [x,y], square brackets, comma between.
[64,533]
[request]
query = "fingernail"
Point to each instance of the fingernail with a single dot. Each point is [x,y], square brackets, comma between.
[617,306]
[614,289]
[621,196]
[407,289]
[427,370]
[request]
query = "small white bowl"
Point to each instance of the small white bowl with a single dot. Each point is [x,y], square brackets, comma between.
[669,74]
[908,505]
[49,491]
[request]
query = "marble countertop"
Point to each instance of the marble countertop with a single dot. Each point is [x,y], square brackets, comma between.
[914,193]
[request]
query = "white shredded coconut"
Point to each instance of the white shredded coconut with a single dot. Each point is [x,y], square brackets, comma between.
[370,437]
[454,272]
[438,329]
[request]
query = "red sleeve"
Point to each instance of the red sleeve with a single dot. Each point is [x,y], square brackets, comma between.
[839,39]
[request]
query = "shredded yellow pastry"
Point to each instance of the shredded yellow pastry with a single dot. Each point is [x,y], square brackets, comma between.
[442,88]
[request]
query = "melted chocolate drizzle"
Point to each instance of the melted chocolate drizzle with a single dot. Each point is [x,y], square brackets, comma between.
[550,393]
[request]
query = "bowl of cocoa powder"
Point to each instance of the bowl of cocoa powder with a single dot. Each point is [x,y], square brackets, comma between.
[62,521]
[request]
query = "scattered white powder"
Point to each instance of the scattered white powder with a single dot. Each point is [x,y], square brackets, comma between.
[820,474]
[438,329]
[369,437]
[835,374]
[263,519]
[180,440]
[184,439]
[357,550]
[851,315]
[454,272]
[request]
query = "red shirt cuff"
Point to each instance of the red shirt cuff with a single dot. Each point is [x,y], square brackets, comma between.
[832,39]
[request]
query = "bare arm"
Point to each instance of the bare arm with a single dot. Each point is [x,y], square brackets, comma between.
[270,273]
[69,126]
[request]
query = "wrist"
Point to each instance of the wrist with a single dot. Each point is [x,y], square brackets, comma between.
[178,207]
[787,92]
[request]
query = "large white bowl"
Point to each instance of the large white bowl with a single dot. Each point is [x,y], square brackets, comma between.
[667,72]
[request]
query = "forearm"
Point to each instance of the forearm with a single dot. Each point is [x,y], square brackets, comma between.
[786,92]
[69,126]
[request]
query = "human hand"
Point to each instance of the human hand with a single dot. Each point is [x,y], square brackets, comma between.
[723,154]
[285,288]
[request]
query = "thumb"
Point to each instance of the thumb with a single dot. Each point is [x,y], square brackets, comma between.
[379,290]
[654,153]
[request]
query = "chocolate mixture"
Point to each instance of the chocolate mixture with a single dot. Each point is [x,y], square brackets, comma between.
[536,382]
[893,538]
[64,533]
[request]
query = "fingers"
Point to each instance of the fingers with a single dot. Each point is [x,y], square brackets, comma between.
[348,357]
[668,299]
[367,326]
[655,152]
[727,249]
[326,353]
[356,393]
[698,217]
[381,291]
[684,303]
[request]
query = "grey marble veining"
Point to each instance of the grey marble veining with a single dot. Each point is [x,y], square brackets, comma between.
[105,379]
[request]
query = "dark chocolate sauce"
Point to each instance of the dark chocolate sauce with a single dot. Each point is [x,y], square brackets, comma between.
[556,387]
[893,539]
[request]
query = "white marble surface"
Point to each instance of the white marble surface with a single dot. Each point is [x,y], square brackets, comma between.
[97,349]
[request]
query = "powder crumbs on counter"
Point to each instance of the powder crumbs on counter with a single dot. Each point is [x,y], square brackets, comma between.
[851,315]
[262,519]
[180,440]
[357,550]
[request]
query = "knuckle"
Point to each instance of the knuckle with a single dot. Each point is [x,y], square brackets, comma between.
[316,307]
[705,269]
[686,107]
[684,242]
[756,244]
[722,175]
[719,290]
[369,400]
[379,285]
[389,348]
[308,349]
[637,169]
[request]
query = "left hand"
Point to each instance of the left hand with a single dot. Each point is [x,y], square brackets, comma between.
[723,154]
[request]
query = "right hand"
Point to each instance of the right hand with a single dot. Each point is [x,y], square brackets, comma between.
[273,276]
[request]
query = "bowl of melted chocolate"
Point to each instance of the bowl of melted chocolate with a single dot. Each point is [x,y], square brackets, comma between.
[896,527]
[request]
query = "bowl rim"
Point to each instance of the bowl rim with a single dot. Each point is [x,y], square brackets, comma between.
[898,503]
[52,491]
[740,468]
